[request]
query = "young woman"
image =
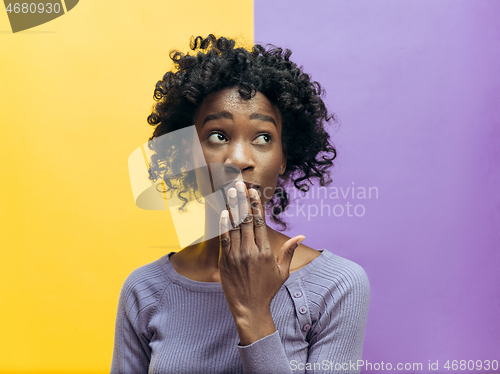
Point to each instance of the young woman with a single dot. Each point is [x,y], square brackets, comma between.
[250,300]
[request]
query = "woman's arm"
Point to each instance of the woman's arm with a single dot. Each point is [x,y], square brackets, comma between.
[336,337]
[138,299]
[129,352]
[338,297]
[251,275]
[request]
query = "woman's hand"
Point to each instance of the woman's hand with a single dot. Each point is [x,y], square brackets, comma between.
[250,274]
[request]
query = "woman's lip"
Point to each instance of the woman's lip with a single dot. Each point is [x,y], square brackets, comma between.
[252,185]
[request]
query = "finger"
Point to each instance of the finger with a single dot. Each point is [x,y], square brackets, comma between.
[247,237]
[286,254]
[232,202]
[259,222]
[224,236]
[234,220]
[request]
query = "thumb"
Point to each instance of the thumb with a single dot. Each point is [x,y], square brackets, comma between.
[286,253]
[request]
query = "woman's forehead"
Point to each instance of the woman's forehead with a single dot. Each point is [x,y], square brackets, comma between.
[230,101]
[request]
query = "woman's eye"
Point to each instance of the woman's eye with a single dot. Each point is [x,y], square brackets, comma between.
[263,139]
[217,137]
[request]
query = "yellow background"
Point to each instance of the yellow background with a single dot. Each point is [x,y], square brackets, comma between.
[74,97]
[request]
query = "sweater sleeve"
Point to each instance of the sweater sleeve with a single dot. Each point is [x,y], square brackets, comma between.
[336,338]
[336,335]
[266,355]
[138,299]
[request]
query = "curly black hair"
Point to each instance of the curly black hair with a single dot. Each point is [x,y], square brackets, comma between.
[217,65]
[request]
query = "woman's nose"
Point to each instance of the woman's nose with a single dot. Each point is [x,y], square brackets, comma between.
[239,157]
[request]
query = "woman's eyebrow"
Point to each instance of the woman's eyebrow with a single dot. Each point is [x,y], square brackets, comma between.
[258,116]
[217,116]
[263,117]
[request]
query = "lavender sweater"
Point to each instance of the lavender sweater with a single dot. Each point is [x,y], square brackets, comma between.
[167,323]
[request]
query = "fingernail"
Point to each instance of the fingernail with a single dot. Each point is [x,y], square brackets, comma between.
[252,192]
[300,241]
[232,192]
[240,186]
[224,216]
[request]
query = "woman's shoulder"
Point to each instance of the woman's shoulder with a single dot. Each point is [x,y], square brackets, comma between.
[146,280]
[141,293]
[323,265]
[340,267]
[329,272]
[330,282]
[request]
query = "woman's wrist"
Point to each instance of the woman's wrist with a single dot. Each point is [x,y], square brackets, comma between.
[254,326]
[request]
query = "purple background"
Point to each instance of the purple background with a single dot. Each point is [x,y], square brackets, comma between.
[416,87]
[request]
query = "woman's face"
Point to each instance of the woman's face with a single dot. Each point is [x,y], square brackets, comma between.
[241,136]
